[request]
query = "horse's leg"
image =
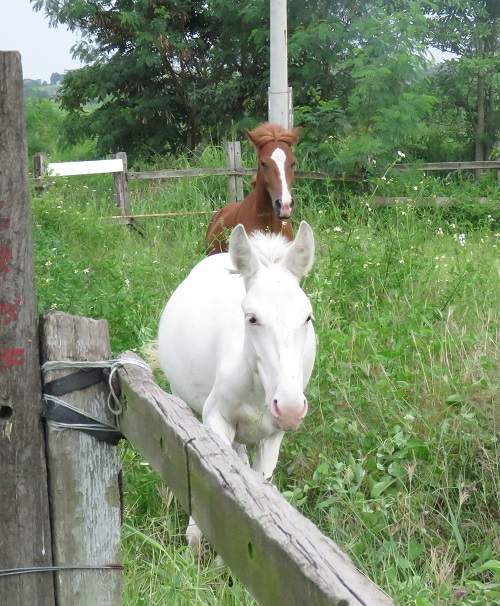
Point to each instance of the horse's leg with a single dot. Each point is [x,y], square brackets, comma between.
[241,449]
[217,422]
[213,418]
[266,456]
[194,538]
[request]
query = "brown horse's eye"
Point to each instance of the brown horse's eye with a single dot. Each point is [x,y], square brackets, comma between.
[263,164]
[293,164]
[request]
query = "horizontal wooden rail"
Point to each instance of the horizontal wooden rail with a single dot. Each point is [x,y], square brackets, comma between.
[451,165]
[279,555]
[188,172]
[159,215]
[427,201]
[226,172]
[116,165]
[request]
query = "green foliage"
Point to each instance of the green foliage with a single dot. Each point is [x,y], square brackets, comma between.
[398,459]
[162,77]
[470,30]
[369,101]
[387,106]
[43,126]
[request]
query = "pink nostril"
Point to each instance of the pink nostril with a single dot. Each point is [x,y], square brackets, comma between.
[277,413]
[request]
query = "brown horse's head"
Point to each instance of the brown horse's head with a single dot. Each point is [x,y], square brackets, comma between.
[276,161]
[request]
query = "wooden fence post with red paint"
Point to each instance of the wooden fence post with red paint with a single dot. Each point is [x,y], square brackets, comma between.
[25,535]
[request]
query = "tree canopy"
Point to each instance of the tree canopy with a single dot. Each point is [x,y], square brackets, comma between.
[163,76]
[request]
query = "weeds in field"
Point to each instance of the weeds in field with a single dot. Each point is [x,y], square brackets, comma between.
[398,460]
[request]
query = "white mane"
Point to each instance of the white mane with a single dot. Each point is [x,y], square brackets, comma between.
[270,248]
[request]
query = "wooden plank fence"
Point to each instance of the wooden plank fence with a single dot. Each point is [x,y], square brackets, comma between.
[279,555]
[234,171]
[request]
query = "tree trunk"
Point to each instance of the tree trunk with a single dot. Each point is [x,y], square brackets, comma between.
[491,122]
[481,113]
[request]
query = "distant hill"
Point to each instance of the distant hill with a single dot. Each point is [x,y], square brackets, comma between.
[41,88]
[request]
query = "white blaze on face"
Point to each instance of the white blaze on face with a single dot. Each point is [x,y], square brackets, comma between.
[279,157]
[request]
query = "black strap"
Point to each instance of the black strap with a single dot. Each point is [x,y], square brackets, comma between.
[59,413]
[75,381]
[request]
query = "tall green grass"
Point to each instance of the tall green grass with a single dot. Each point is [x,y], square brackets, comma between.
[398,460]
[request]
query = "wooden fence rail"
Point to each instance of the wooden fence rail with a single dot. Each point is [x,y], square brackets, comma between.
[234,171]
[280,556]
[472,165]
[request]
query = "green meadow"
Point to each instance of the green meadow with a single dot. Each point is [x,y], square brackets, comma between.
[398,459]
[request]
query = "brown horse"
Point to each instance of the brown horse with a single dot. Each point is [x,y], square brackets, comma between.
[269,205]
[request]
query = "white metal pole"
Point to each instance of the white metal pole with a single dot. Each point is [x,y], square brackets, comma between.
[280,95]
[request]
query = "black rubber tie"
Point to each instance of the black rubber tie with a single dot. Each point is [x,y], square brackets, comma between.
[59,413]
[75,381]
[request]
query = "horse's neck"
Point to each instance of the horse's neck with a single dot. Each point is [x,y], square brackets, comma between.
[261,204]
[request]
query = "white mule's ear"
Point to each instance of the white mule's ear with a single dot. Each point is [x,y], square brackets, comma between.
[300,257]
[244,259]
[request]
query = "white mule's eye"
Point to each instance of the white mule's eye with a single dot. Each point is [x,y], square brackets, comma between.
[252,319]
[310,318]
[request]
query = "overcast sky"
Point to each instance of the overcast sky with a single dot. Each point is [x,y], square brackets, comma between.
[44,50]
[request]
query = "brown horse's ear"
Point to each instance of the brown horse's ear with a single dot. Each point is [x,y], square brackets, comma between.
[295,133]
[250,137]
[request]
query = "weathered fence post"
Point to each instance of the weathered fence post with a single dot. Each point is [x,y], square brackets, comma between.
[233,162]
[39,164]
[39,170]
[25,537]
[122,197]
[84,472]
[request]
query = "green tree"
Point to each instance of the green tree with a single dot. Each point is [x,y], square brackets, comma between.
[43,126]
[163,74]
[34,88]
[384,104]
[470,29]
[56,78]
[450,133]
